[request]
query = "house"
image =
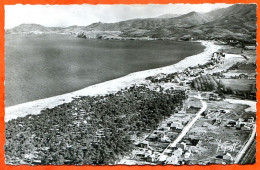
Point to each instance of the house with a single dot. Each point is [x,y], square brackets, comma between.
[241,120]
[150,158]
[169,123]
[245,128]
[250,47]
[143,144]
[176,126]
[218,120]
[243,76]
[219,161]
[227,157]
[159,133]
[142,154]
[182,112]
[232,123]
[36,162]
[139,155]
[173,160]
[224,111]
[205,124]
[194,139]
[187,154]
[163,128]
[181,145]
[250,120]
[153,138]
[164,138]
[162,159]
[185,122]
[239,125]
[178,152]
[168,152]
[172,135]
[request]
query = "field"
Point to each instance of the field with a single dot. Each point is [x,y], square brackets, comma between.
[239,84]
[213,133]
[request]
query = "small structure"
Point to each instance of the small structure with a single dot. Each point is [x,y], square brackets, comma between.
[159,133]
[173,160]
[162,159]
[219,161]
[172,135]
[194,139]
[187,154]
[168,152]
[178,152]
[245,128]
[227,157]
[250,120]
[143,144]
[176,126]
[181,145]
[153,138]
[150,158]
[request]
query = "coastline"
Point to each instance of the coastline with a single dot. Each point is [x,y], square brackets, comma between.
[35,107]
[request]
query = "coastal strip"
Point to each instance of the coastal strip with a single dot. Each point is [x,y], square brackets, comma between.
[35,107]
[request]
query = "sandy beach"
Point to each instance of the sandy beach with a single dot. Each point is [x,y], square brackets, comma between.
[35,107]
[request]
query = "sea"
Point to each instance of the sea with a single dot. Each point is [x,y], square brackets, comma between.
[41,66]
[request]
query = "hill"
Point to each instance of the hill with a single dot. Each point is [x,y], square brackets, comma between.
[237,22]
[169,16]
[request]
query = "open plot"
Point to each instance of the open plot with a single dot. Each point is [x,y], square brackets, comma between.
[239,84]
[217,142]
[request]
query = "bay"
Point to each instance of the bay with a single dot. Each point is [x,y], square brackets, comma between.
[40,66]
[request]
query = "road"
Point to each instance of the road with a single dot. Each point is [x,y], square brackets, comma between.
[247,149]
[250,156]
[187,127]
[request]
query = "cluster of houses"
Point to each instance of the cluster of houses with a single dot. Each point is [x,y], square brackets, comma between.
[217,117]
[215,113]
[156,147]
[239,76]
[218,57]
[241,124]
[175,155]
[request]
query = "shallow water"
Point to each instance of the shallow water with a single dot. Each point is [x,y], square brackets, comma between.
[40,66]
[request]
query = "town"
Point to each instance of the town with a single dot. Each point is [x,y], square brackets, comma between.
[222,120]
[203,115]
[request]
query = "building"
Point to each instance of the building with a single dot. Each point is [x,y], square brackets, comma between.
[178,152]
[187,154]
[250,120]
[162,159]
[227,157]
[143,144]
[181,145]
[176,126]
[245,128]
[173,160]
[153,138]
[194,140]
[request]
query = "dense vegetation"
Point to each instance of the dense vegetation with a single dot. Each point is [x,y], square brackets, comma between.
[206,83]
[165,78]
[89,130]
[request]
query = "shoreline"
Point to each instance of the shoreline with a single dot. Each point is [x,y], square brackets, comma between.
[114,85]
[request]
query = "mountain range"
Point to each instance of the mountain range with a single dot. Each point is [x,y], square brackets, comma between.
[237,22]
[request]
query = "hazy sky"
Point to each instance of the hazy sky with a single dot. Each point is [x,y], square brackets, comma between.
[67,15]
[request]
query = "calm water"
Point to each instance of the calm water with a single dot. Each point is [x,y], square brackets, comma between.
[40,66]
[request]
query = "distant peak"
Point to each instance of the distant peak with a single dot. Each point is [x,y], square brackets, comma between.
[169,15]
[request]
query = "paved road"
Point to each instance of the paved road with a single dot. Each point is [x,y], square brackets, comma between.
[246,147]
[250,156]
[187,127]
